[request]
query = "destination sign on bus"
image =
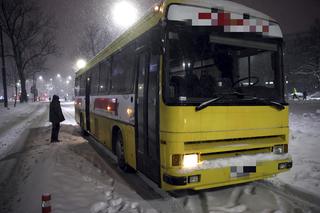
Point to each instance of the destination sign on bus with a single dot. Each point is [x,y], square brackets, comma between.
[229,21]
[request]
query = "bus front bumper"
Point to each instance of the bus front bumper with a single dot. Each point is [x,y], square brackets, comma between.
[216,177]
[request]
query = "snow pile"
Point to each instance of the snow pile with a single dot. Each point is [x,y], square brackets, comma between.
[14,122]
[304,147]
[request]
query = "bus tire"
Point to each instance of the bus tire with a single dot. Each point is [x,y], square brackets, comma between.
[120,152]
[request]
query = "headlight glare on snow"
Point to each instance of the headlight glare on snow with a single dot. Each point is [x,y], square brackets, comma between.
[190,160]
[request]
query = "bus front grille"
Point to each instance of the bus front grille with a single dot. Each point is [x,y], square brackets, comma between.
[234,147]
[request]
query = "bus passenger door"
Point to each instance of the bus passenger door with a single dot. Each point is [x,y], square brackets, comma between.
[87,102]
[148,160]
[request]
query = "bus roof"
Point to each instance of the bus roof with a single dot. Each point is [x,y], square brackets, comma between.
[153,17]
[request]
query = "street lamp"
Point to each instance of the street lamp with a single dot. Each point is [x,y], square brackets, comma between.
[40,78]
[4,73]
[124,14]
[58,76]
[81,63]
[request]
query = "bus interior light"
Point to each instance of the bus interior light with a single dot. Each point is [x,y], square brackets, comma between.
[190,160]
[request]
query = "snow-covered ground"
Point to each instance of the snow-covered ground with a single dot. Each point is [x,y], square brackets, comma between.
[77,178]
[80,180]
[14,121]
[304,147]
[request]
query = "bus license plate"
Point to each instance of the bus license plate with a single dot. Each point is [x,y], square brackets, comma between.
[242,171]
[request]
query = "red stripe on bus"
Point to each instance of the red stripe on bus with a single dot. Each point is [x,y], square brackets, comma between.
[108,104]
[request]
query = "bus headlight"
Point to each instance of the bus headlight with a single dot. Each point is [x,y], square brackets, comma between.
[190,160]
[278,149]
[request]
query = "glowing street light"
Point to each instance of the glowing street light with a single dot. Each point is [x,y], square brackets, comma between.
[69,77]
[58,76]
[81,64]
[40,78]
[124,14]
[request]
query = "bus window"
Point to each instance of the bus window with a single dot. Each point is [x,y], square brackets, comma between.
[201,65]
[77,86]
[122,75]
[104,83]
[95,80]
[82,85]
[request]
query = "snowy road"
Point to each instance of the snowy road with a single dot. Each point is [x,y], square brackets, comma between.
[80,180]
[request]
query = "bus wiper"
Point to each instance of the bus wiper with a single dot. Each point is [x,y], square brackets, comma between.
[275,104]
[222,95]
[207,103]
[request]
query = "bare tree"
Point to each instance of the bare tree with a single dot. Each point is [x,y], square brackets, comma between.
[93,39]
[303,56]
[310,52]
[30,33]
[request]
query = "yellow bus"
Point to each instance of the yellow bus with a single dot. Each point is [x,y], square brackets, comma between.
[191,96]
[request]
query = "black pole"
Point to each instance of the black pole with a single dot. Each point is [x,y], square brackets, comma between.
[4,76]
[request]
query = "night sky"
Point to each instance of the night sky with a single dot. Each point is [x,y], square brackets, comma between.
[293,15]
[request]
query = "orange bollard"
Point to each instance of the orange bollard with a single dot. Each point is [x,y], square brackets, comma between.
[46,204]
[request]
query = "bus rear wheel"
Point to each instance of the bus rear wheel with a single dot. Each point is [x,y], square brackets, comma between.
[120,153]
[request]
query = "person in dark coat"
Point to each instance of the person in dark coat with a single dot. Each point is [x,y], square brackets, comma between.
[55,117]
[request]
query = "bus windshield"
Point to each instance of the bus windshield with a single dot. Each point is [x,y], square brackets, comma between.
[202,64]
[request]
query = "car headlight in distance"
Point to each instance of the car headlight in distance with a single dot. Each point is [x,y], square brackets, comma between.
[278,149]
[190,160]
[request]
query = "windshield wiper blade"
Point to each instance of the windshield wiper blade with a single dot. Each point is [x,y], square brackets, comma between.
[275,104]
[222,95]
[207,103]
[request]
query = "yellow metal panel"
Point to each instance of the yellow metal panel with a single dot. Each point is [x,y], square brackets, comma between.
[221,118]
[104,127]
[225,146]
[130,145]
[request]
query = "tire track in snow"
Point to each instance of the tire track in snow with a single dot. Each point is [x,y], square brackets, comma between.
[250,198]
